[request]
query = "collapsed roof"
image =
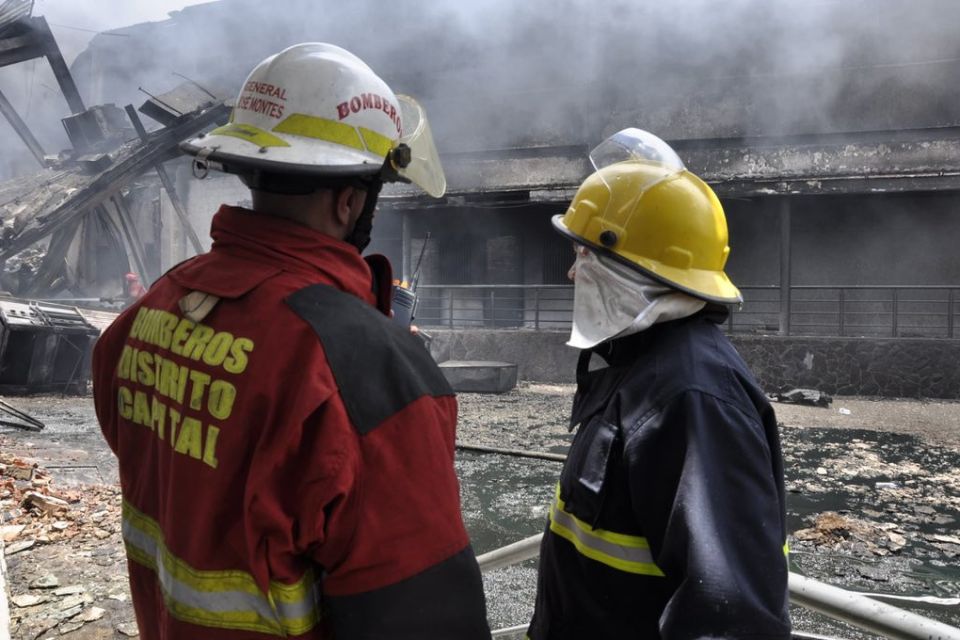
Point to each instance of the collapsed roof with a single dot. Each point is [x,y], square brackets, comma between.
[34,206]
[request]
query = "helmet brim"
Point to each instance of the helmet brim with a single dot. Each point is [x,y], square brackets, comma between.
[711,286]
[220,150]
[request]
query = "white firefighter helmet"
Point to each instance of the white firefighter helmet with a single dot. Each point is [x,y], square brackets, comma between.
[316,111]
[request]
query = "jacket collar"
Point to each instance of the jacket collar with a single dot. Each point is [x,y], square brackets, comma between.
[273,245]
[621,351]
[596,388]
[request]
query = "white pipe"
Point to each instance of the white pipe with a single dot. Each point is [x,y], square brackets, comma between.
[868,614]
[510,631]
[836,603]
[511,554]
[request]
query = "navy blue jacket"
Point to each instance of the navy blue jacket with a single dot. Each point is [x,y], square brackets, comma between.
[669,520]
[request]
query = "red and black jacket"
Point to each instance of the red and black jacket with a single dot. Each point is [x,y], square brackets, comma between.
[287,460]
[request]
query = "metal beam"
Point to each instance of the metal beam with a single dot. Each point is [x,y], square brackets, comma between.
[58,64]
[839,185]
[167,184]
[38,42]
[130,234]
[178,208]
[21,54]
[14,43]
[22,129]
[54,260]
[156,214]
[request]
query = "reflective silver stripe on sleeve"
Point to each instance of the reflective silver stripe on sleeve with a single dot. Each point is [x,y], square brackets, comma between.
[620,551]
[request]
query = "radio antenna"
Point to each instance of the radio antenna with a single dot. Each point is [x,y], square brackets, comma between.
[416,271]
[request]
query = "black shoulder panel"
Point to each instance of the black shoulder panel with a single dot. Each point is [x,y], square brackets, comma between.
[379,366]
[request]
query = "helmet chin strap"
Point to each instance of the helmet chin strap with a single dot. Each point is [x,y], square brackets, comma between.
[359,236]
[399,156]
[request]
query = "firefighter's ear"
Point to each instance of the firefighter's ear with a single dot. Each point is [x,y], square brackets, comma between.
[345,205]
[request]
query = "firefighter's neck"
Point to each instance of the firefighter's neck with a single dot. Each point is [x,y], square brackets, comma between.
[333,212]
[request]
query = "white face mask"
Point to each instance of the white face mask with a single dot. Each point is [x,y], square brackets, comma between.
[611,300]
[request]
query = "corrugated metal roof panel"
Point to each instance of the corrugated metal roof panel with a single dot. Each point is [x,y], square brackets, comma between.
[13,11]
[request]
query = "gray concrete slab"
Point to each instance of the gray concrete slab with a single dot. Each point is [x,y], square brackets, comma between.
[480,376]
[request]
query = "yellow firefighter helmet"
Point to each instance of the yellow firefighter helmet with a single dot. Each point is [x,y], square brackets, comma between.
[643,208]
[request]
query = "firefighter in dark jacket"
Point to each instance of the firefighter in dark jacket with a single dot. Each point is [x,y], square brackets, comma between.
[285,448]
[669,516]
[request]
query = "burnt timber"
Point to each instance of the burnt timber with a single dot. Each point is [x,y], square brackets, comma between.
[49,201]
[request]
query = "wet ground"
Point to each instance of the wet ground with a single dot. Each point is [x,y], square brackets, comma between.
[874,506]
[873,496]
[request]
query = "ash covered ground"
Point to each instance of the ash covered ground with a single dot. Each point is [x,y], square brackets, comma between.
[874,506]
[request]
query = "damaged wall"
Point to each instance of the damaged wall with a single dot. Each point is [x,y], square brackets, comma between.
[880,239]
[837,240]
[892,239]
[859,367]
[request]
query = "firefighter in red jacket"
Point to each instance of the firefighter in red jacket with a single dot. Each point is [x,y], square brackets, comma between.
[669,517]
[286,450]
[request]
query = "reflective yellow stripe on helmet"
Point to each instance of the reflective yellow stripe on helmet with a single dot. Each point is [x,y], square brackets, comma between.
[375,142]
[618,550]
[360,138]
[219,599]
[251,134]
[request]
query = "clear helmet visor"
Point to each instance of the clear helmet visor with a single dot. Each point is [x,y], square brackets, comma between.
[637,145]
[424,169]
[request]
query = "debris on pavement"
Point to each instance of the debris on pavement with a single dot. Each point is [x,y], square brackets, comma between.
[895,496]
[64,554]
[20,419]
[808,397]
[844,532]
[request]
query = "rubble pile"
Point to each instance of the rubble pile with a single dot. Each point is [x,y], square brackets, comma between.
[20,269]
[843,532]
[899,501]
[64,546]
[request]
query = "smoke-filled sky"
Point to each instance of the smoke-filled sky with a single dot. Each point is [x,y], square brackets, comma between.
[504,73]
[75,22]
[31,87]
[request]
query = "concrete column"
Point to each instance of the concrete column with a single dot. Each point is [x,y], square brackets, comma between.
[785,270]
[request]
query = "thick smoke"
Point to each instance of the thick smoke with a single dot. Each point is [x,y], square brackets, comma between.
[31,86]
[496,74]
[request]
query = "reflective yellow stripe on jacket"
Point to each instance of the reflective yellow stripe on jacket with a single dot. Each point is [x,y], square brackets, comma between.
[221,599]
[618,550]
